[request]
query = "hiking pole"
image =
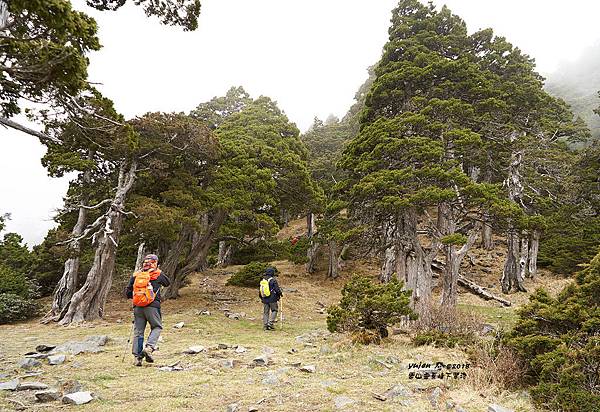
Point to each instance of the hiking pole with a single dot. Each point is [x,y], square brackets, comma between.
[281,314]
[128,344]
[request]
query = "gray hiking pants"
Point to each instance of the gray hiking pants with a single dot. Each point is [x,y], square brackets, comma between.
[143,315]
[270,313]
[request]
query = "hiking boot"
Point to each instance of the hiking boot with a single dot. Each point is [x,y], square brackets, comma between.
[138,361]
[147,353]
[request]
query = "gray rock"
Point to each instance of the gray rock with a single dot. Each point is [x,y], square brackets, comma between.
[342,401]
[252,408]
[48,396]
[405,402]
[32,386]
[57,359]
[91,344]
[309,368]
[487,328]
[325,349]
[450,405]
[36,355]
[434,397]
[10,385]
[77,398]
[289,290]
[262,360]
[233,407]
[460,409]
[193,350]
[222,346]
[240,349]
[29,363]
[179,325]
[270,378]
[397,390]
[497,408]
[227,363]
[328,383]
[44,348]
[392,359]
[235,316]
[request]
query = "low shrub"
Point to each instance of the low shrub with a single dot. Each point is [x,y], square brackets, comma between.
[368,308]
[250,275]
[15,308]
[446,327]
[559,339]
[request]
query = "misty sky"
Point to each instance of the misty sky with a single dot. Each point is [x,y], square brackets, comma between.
[308,55]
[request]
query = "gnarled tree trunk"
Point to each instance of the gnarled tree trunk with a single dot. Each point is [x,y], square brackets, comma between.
[487,240]
[141,253]
[333,269]
[67,285]
[534,246]
[88,302]
[511,276]
[524,256]
[201,244]
[225,254]
[313,247]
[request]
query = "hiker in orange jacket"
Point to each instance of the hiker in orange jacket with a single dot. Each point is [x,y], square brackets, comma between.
[144,288]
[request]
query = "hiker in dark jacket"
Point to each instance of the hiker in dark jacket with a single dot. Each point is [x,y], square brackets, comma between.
[270,306]
[146,308]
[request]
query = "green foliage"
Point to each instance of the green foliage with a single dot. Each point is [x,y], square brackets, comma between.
[182,13]
[17,294]
[15,308]
[261,251]
[366,305]
[250,275]
[43,52]
[559,338]
[297,253]
[14,254]
[439,339]
[456,239]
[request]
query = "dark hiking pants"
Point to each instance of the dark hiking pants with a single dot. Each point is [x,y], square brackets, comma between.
[270,313]
[143,315]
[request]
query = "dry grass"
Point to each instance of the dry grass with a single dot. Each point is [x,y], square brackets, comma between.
[343,368]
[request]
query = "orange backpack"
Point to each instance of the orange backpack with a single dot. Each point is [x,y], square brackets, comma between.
[143,293]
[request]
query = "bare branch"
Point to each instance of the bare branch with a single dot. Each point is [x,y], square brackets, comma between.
[14,125]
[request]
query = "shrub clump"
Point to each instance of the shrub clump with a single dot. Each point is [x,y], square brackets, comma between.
[16,296]
[446,327]
[367,308]
[250,275]
[559,339]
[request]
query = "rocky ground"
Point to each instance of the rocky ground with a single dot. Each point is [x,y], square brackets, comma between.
[214,356]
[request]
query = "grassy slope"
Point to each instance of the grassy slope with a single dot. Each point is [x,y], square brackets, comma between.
[343,369]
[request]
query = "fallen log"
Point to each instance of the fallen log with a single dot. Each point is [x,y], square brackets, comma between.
[480,290]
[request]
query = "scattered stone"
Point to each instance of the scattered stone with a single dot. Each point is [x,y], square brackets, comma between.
[179,325]
[405,402]
[434,397]
[57,359]
[270,378]
[47,396]
[309,368]
[3,375]
[235,316]
[295,364]
[487,328]
[175,368]
[262,360]
[325,349]
[227,363]
[29,363]
[460,409]
[36,355]
[253,408]
[91,344]
[77,398]
[44,348]
[379,397]
[382,363]
[342,401]
[289,290]
[32,386]
[392,359]
[71,387]
[233,407]
[497,408]
[293,350]
[10,385]
[397,390]
[240,349]
[328,383]
[193,350]
[222,346]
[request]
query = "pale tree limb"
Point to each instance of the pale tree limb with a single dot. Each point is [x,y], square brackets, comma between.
[14,125]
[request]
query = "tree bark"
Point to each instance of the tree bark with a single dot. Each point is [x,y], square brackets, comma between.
[480,291]
[225,254]
[333,269]
[141,253]
[201,244]
[312,254]
[390,254]
[511,276]
[524,256]
[487,240]
[310,225]
[534,245]
[88,302]
[67,285]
